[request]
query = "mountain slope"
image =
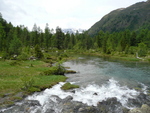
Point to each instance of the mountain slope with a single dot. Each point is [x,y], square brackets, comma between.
[134,17]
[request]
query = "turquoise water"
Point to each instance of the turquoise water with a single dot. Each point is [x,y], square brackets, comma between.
[96,70]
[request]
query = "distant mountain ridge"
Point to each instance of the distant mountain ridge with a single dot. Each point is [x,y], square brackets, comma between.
[134,17]
[72,30]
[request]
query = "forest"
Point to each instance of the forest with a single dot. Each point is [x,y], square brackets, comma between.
[24,43]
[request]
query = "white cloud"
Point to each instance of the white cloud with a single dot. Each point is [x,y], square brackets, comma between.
[62,13]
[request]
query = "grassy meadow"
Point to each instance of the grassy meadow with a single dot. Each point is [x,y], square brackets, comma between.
[24,76]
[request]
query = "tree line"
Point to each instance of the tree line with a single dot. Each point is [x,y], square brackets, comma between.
[127,42]
[20,41]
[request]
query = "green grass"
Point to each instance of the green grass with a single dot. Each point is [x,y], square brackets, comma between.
[24,68]
[48,81]
[13,78]
[128,58]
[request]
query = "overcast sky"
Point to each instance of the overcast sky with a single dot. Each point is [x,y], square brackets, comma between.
[63,13]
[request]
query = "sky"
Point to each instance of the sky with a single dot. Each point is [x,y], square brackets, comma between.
[63,13]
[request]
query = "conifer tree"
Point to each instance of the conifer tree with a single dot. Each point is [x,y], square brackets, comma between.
[59,37]
[47,36]
[38,52]
[15,45]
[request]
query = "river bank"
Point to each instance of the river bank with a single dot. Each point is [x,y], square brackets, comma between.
[118,56]
[23,78]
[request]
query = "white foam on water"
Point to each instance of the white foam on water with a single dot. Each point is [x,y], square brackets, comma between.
[144,89]
[91,95]
[48,93]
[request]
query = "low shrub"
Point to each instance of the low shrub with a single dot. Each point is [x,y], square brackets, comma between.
[14,63]
[47,56]
[23,56]
[55,70]
[28,82]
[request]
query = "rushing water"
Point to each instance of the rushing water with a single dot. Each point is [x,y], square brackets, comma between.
[99,79]
[108,78]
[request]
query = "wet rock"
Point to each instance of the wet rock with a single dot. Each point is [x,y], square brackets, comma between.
[25,107]
[144,109]
[68,98]
[56,98]
[73,91]
[50,111]
[78,107]
[95,94]
[89,109]
[67,105]
[140,100]
[111,105]
[32,103]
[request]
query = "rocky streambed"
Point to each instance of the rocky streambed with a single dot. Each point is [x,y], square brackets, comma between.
[67,105]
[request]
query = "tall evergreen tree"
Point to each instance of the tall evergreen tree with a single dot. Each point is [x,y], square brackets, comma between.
[47,36]
[34,35]
[59,37]
[15,45]
[2,37]
[38,52]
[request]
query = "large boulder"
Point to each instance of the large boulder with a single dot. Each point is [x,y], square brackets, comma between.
[144,109]
[25,107]
[139,101]
[111,105]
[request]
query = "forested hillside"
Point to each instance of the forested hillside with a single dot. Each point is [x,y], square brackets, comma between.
[24,43]
[134,18]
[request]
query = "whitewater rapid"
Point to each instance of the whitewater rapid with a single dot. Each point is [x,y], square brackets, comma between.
[90,95]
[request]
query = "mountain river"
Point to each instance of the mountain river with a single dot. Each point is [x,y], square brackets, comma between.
[99,79]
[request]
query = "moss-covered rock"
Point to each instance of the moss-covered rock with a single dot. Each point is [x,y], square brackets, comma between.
[68,86]
[144,109]
[70,72]
[138,88]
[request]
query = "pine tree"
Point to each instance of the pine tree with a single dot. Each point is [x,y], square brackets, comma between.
[34,35]
[2,37]
[59,37]
[47,37]
[15,45]
[38,52]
